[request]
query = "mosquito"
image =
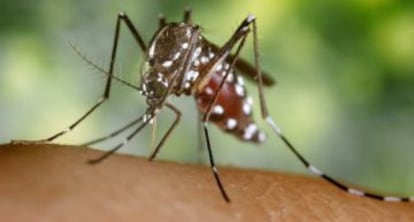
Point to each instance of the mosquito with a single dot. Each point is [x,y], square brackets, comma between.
[179,60]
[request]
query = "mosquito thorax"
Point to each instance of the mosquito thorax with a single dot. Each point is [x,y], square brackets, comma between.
[166,60]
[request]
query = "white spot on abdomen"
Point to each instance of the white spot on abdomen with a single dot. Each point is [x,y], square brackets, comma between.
[250,130]
[218,109]
[247,109]
[239,90]
[230,78]
[240,80]
[261,137]
[231,123]
[209,91]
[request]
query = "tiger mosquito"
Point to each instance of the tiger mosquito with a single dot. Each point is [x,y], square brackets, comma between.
[181,61]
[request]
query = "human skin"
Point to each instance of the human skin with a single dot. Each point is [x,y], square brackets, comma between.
[47,182]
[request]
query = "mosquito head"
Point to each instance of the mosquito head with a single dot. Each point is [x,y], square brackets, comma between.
[154,87]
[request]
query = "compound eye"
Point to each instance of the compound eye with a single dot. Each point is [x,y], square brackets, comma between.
[157,88]
[151,62]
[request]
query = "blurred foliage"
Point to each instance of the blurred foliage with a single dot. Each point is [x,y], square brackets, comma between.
[345,76]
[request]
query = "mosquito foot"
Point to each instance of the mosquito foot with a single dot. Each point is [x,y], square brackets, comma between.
[28,142]
[92,162]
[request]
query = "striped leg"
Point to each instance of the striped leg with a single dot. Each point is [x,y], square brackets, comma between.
[169,131]
[238,37]
[121,17]
[306,163]
[113,134]
[71,127]
[146,117]
[201,143]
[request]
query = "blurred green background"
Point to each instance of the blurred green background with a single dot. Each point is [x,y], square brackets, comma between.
[345,76]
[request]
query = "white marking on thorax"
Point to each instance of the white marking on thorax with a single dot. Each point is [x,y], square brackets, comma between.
[151,51]
[196,62]
[197,52]
[176,55]
[192,75]
[187,31]
[204,59]
[167,63]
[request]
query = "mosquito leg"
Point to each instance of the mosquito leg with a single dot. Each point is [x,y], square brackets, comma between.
[302,159]
[239,35]
[147,118]
[121,17]
[162,21]
[154,133]
[167,134]
[227,48]
[113,134]
[187,16]
[249,71]
[213,164]
[201,143]
[205,120]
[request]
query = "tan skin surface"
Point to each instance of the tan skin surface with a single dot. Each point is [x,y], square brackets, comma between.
[54,183]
